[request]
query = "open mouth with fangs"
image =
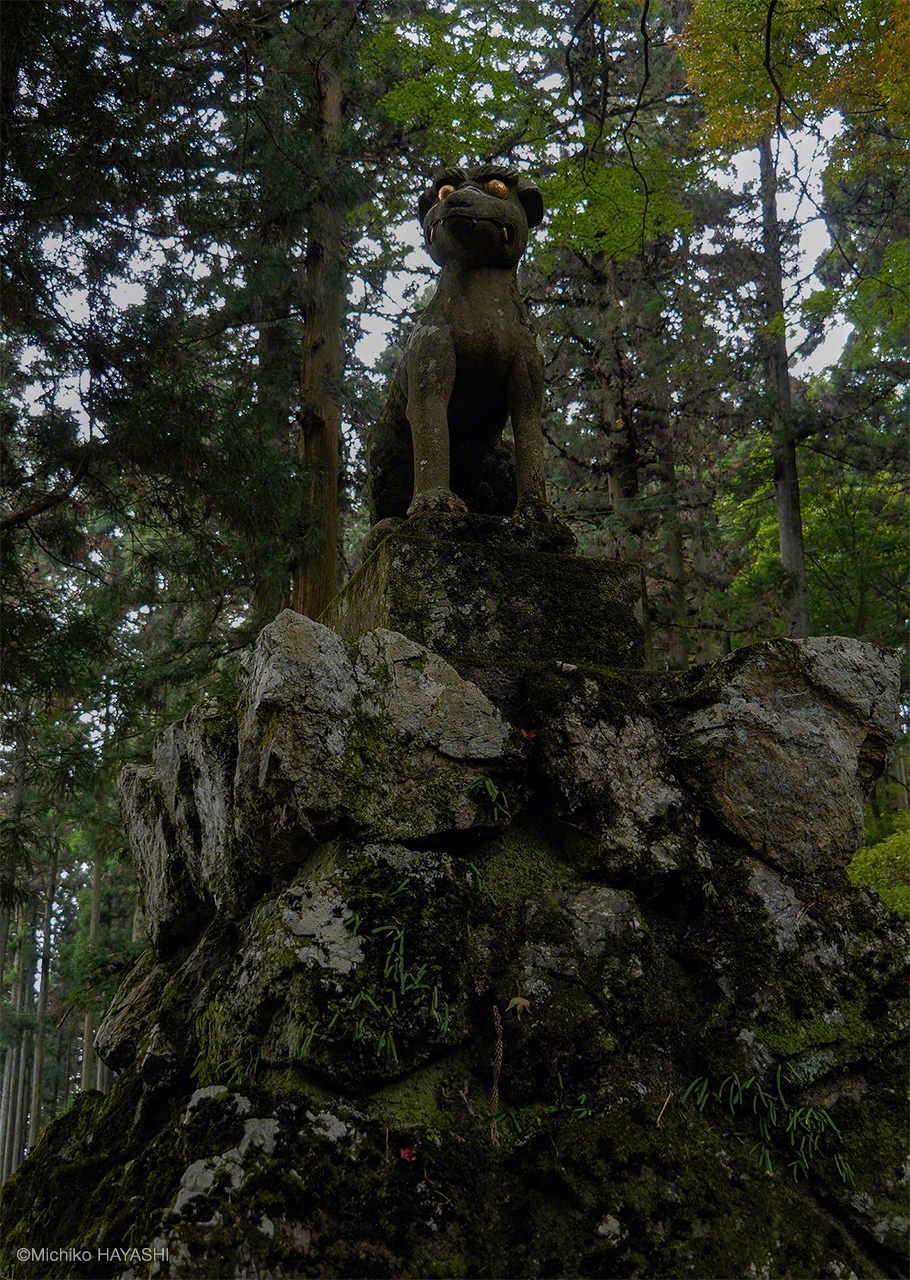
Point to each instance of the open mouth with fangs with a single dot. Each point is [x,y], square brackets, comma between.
[506,232]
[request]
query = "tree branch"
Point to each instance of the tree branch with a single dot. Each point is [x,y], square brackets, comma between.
[47,500]
[781,97]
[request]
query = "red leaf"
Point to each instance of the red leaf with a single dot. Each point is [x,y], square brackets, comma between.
[407,1153]
[529,733]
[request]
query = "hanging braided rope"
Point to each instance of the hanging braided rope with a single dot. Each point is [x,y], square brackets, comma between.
[497,1066]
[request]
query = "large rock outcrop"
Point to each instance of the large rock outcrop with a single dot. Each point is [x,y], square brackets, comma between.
[376,739]
[790,729]
[433,992]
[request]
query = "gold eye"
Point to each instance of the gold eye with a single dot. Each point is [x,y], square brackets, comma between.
[497,188]
[445,191]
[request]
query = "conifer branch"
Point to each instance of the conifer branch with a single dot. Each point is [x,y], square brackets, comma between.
[47,500]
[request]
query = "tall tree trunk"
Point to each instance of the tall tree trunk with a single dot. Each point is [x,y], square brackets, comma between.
[777,373]
[70,1067]
[273,278]
[16,804]
[58,1072]
[323,285]
[8,1059]
[674,559]
[25,1054]
[4,945]
[621,456]
[8,1115]
[88,1052]
[103,1076]
[708,644]
[88,1025]
[35,1109]
[622,480]
[275,394]
[618,426]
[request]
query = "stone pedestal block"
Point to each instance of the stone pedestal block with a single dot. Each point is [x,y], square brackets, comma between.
[491,594]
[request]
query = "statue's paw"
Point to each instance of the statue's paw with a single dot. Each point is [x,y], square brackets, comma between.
[540,526]
[537,509]
[436,499]
[377,533]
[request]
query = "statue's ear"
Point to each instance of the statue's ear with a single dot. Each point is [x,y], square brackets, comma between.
[426,202]
[531,200]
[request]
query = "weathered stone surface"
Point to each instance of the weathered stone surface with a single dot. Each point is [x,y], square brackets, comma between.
[483,593]
[170,905]
[124,1025]
[782,744]
[306,1089]
[157,998]
[791,742]
[610,773]
[786,912]
[382,739]
[244,1145]
[326,973]
[571,933]
[178,815]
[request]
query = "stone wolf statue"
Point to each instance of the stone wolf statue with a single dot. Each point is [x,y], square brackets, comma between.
[472,363]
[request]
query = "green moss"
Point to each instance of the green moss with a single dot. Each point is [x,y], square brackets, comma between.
[214,1124]
[885,867]
[605,1192]
[292,1082]
[87,1196]
[658,1191]
[414,1100]
[218,715]
[521,863]
[228,1052]
[787,1035]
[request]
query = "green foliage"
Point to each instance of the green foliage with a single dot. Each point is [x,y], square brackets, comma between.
[518,1121]
[805,1133]
[854,511]
[614,209]
[91,972]
[214,1063]
[482,885]
[496,796]
[885,867]
[470,76]
[759,67]
[370,1016]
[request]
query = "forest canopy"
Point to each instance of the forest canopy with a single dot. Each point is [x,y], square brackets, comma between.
[208,214]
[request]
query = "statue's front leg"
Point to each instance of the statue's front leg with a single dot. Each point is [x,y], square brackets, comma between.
[526,383]
[431,377]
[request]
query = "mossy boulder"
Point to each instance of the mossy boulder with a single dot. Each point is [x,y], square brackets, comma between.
[787,749]
[594,1030]
[379,738]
